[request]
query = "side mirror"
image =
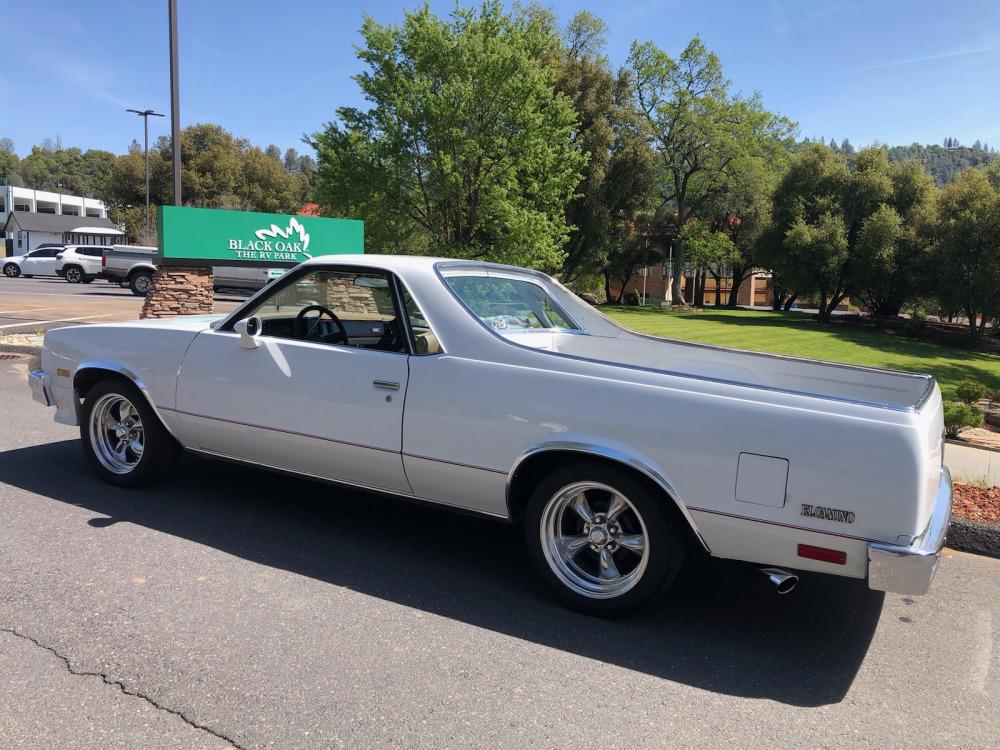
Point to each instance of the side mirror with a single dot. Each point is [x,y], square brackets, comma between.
[248,330]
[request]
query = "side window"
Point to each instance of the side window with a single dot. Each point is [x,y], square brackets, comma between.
[346,308]
[49,252]
[425,342]
[510,304]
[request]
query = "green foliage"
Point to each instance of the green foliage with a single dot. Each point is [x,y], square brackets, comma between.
[850,228]
[943,164]
[965,236]
[708,250]
[971,391]
[959,417]
[618,178]
[218,171]
[702,134]
[466,150]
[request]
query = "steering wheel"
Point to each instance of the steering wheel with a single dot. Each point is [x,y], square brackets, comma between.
[311,333]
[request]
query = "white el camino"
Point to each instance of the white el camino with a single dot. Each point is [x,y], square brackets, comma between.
[495,390]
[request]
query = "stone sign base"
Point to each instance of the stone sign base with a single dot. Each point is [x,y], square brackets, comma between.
[179,290]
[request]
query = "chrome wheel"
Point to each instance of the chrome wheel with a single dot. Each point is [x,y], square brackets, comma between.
[11,271]
[594,540]
[141,284]
[73,275]
[116,433]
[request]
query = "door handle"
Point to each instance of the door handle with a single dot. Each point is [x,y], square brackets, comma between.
[386,385]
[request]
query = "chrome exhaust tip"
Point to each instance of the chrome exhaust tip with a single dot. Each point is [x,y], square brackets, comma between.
[783,581]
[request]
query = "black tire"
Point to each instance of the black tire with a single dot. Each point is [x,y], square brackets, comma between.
[73,274]
[160,450]
[11,270]
[662,539]
[139,283]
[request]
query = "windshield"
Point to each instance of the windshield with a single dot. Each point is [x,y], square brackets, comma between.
[512,305]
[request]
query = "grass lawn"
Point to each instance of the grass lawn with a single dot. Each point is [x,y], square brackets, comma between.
[799,335]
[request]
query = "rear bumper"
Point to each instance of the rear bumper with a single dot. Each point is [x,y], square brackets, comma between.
[910,569]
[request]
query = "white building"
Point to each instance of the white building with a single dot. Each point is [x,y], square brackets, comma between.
[35,217]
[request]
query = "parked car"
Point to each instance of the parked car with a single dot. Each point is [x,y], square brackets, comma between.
[80,264]
[38,262]
[494,390]
[134,265]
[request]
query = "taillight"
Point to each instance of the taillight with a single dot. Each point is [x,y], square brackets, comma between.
[823,554]
[104,261]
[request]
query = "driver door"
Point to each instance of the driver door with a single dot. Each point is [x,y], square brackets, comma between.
[308,398]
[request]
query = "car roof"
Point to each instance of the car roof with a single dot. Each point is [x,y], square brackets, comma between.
[420,263]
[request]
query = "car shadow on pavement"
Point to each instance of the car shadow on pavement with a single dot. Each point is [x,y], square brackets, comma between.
[720,628]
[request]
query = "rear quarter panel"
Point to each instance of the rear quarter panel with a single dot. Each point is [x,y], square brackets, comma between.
[869,462]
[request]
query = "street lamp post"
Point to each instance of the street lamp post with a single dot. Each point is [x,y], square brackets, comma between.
[175,100]
[145,114]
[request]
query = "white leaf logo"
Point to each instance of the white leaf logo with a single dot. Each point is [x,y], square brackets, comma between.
[294,227]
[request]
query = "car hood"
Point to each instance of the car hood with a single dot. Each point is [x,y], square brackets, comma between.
[180,322]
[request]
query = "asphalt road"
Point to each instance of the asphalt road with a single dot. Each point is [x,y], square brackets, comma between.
[232,607]
[37,304]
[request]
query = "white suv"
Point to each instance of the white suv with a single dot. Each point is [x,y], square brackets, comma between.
[80,263]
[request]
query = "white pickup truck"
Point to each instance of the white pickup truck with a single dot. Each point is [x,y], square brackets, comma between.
[495,390]
[134,265]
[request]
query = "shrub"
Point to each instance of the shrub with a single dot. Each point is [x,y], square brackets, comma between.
[970,391]
[959,417]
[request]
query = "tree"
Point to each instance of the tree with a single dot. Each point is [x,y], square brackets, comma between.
[633,245]
[860,221]
[618,177]
[273,152]
[891,247]
[700,133]
[846,147]
[966,248]
[10,165]
[712,252]
[743,213]
[466,149]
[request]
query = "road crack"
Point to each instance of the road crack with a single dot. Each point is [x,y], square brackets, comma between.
[123,688]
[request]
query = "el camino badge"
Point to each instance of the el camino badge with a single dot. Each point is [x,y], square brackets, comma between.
[829,514]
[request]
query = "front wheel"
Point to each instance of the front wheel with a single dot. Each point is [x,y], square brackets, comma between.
[601,539]
[11,270]
[73,275]
[122,436]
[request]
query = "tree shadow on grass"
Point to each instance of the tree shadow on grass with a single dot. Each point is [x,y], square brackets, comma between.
[720,629]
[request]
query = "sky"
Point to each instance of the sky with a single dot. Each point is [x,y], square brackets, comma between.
[893,71]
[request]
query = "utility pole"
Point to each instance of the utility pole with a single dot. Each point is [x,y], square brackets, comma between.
[175,102]
[145,115]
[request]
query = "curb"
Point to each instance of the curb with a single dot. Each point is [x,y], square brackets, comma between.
[977,537]
[20,348]
[964,444]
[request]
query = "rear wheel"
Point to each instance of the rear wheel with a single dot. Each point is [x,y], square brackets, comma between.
[601,539]
[73,274]
[139,283]
[11,270]
[122,436]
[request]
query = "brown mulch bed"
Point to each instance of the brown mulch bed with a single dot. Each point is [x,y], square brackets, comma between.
[977,503]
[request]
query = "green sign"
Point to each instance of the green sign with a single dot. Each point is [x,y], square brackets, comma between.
[209,236]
